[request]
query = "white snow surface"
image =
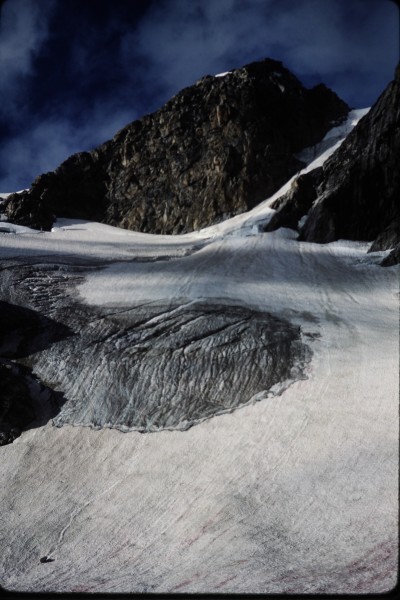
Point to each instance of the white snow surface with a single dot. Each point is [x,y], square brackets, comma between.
[4,195]
[333,138]
[296,493]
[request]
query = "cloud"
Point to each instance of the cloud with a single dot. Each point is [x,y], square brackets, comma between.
[43,146]
[23,31]
[104,63]
[335,37]
[180,41]
[76,108]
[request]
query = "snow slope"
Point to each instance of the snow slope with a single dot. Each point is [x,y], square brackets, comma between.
[296,493]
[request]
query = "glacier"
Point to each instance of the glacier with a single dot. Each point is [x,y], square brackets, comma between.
[296,491]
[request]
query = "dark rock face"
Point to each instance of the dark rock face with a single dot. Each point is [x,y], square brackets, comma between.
[393,258]
[358,197]
[156,366]
[388,238]
[24,332]
[296,202]
[24,401]
[75,190]
[16,404]
[216,149]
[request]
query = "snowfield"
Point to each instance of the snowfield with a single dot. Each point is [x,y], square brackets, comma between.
[296,493]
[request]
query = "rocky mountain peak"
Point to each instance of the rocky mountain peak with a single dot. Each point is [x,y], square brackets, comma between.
[216,149]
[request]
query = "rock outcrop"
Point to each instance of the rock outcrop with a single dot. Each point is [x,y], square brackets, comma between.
[25,402]
[216,149]
[16,403]
[393,258]
[293,205]
[356,196]
[23,399]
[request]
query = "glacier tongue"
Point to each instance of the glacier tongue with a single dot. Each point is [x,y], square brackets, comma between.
[296,492]
[147,367]
[169,367]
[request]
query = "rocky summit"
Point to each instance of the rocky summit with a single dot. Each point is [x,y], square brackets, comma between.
[216,149]
[355,194]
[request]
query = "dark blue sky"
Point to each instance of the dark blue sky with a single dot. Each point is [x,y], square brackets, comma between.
[73,72]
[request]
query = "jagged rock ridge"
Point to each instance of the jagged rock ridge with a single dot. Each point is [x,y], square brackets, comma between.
[355,195]
[216,149]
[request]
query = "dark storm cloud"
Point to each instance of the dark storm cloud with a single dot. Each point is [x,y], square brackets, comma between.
[60,86]
[73,72]
[42,146]
[23,31]
[334,40]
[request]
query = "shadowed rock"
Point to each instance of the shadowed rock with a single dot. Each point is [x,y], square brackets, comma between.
[24,401]
[393,258]
[296,202]
[16,405]
[24,331]
[355,195]
[358,197]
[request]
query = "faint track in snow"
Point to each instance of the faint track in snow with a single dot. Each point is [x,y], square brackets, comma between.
[75,514]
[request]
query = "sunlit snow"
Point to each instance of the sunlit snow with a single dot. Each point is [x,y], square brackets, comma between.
[297,493]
